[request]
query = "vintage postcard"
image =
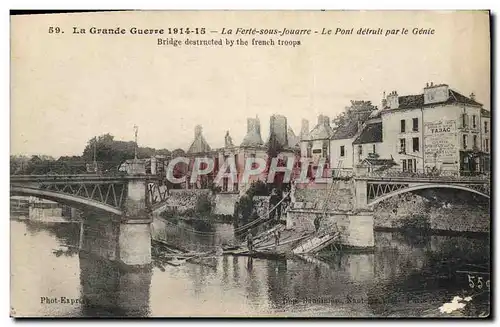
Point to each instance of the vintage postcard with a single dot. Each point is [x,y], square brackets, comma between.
[250,164]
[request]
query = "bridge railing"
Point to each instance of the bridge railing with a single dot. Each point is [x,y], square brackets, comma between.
[428,174]
[65,168]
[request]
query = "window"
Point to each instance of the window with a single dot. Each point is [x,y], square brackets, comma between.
[402,145]
[325,148]
[464,141]
[474,141]
[342,150]
[474,121]
[486,145]
[360,150]
[415,124]
[410,165]
[403,125]
[309,147]
[464,120]
[486,127]
[316,151]
[374,150]
[416,144]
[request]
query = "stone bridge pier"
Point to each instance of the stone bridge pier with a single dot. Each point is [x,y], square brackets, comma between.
[126,238]
[341,207]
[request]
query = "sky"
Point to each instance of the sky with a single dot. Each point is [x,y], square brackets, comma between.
[67,88]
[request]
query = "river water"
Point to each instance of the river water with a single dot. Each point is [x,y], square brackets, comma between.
[403,276]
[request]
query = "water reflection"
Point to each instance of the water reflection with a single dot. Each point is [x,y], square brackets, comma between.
[402,276]
[108,289]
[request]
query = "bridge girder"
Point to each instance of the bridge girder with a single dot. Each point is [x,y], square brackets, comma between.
[107,193]
[65,198]
[380,190]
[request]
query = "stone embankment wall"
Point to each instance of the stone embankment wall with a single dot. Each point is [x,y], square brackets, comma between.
[341,197]
[225,204]
[183,201]
[408,208]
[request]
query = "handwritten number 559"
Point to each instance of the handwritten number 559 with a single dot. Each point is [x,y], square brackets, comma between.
[55,30]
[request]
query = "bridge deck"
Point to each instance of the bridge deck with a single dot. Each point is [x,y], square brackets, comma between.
[79,178]
[444,180]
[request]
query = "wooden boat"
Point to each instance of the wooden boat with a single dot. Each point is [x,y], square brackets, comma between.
[268,248]
[315,243]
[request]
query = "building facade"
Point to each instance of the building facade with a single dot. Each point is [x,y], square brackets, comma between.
[439,129]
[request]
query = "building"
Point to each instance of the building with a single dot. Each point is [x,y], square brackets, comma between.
[252,146]
[315,146]
[485,140]
[367,144]
[342,139]
[437,129]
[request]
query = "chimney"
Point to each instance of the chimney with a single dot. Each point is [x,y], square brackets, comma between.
[472,96]
[393,100]
[278,126]
[326,120]
[323,120]
[304,129]
[252,138]
[197,130]
[435,93]
[384,101]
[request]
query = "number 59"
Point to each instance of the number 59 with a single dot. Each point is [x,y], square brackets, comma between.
[54,30]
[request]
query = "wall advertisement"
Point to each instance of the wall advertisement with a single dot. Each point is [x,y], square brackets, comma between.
[440,142]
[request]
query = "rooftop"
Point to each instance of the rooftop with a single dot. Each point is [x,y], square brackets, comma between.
[417,100]
[380,162]
[350,129]
[372,133]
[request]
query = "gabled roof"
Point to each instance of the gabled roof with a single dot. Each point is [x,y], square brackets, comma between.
[411,101]
[372,133]
[320,131]
[417,100]
[485,113]
[463,99]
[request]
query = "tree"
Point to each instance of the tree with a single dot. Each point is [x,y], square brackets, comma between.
[353,113]
[110,153]
[163,152]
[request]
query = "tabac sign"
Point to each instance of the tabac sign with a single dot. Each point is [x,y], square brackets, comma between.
[440,142]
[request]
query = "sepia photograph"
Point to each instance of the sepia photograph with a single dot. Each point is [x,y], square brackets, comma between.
[307,163]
